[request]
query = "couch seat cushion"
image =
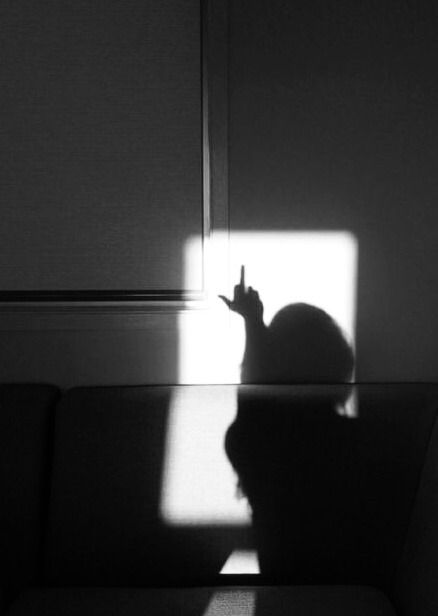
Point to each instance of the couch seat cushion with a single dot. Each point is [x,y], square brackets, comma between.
[220,601]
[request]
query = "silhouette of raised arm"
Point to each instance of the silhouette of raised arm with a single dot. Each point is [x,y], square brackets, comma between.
[246,301]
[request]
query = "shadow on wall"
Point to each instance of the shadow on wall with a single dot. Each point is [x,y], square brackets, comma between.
[316,267]
[319,268]
[287,452]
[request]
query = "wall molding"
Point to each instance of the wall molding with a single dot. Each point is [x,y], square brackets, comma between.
[15,305]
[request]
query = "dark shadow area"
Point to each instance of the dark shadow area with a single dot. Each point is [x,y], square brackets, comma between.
[115,601]
[105,526]
[302,344]
[26,418]
[305,601]
[286,452]
[331,496]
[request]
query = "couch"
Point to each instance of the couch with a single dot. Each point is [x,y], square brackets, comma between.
[83,529]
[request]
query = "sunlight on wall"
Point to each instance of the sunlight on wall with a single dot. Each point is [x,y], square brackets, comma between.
[285,267]
[232,602]
[319,268]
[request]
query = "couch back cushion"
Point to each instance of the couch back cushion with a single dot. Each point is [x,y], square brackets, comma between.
[26,414]
[332,494]
[106,525]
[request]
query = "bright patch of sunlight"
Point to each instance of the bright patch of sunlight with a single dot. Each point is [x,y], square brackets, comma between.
[241,561]
[319,268]
[285,267]
[199,485]
[232,602]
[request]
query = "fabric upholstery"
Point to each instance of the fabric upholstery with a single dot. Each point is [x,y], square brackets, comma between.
[235,601]
[417,580]
[332,494]
[25,435]
[105,526]
[105,522]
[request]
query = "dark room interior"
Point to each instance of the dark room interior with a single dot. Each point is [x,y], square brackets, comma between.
[219,299]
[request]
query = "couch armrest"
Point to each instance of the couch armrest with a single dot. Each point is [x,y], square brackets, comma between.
[416,589]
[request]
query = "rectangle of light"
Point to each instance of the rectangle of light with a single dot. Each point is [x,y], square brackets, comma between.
[319,268]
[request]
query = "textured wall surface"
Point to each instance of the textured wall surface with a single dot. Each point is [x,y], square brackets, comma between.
[332,127]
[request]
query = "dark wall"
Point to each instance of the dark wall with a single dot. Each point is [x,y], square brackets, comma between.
[333,126]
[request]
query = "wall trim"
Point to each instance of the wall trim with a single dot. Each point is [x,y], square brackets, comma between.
[16,304]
